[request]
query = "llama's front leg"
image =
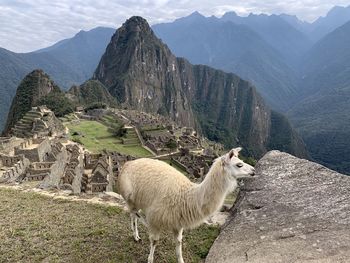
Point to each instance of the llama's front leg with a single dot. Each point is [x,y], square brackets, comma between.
[153,238]
[178,240]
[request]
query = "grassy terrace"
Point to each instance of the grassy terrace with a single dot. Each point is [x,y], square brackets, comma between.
[95,137]
[34,228]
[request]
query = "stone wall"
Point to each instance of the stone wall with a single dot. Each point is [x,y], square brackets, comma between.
[9,161]
[57,170]
[36,150]
[74,170]
[7,143]
[16,170]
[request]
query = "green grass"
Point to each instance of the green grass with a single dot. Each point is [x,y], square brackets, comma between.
[68,117]
[110,121]
[35,228]
[97,137]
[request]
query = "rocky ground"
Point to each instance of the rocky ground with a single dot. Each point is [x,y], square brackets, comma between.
[293,211]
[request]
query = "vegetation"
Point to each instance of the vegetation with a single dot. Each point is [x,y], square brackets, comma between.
[248,160]
[58,103]
[34,228]
[119,130]
[171,144]
[96,137]
[96,105]
[92,92]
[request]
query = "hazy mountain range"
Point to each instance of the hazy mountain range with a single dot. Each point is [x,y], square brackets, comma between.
[300,68]
[70,61]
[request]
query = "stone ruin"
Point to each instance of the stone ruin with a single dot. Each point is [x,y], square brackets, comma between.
[142,119]
[118,160]
[60,165]
[102,170]
[74,170]
[12,167]
[38,122]
[157,140]
[46,157]
[189,139]
[98,174]
[196,165]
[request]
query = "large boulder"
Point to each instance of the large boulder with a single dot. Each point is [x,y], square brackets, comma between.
[293,211]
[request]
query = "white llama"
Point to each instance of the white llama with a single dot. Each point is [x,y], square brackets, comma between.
[170,201]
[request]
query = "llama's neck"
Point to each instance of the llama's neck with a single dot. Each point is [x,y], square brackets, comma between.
[214,188]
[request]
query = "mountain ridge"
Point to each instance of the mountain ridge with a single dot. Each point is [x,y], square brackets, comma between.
[142,73]
[68,62]
[233,48]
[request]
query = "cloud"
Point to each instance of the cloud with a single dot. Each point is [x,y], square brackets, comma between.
[27,25]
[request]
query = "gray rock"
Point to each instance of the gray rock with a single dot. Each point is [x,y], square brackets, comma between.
[293,211]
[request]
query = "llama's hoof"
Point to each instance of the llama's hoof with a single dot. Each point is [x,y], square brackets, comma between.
[137,238]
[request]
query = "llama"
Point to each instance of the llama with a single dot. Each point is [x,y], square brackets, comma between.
[170,201]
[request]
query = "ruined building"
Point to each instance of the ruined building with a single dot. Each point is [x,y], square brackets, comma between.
[38,122]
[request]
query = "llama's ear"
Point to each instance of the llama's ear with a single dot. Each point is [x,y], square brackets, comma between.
[236,151]
[226,159]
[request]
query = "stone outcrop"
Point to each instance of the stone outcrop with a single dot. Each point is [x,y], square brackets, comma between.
[140,71]
[293,211]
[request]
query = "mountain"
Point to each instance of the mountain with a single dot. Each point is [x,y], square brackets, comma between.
[69,62]
[233,48]
[83,51]
[302,26]
[143,74]
[36,89]
[326,65]
[335,18]
[12,70]
[286,39]
[90,92]
[322,115]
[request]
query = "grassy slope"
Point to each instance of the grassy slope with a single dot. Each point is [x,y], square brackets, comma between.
[34,228]
[97,137]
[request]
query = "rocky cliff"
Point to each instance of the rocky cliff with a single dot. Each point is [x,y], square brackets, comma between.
[142,73]
[292,211]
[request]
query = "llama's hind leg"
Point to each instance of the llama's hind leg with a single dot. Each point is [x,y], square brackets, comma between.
[153,238]
[134,226]
[178,240]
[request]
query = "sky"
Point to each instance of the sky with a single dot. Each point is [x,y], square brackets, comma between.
[27,25]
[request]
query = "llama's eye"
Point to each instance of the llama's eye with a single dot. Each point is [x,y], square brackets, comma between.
[239,165]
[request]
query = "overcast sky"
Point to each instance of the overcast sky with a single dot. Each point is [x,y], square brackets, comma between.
[27,25]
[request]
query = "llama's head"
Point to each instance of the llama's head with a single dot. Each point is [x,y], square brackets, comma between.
[234,166]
